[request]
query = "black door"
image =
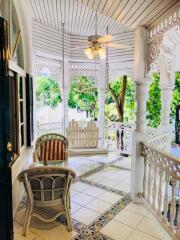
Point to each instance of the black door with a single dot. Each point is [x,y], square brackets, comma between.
[6,219]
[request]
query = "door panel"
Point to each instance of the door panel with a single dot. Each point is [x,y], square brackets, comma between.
[6,219]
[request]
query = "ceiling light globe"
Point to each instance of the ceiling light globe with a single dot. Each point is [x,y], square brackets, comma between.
[102,53]
[89,53]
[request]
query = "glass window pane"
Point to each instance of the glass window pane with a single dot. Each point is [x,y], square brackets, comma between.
[22,135]
[20,87]
[21,113]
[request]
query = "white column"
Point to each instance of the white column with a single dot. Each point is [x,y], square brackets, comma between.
[166,95]
[142,91]
[142,87]
[101,100]
[65,94]
[167,77]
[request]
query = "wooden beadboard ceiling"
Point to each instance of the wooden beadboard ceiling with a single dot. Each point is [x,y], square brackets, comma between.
[118,15]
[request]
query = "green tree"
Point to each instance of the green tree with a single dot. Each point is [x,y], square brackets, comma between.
[83,95]
[120,100]
[154,102]
[175,98]
[48,91]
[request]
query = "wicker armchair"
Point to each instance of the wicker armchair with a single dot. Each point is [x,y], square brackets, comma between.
[48,193]
[50,147]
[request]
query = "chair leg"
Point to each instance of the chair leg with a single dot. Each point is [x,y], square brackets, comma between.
[27,221]
[69,199]
[68,216]
[69,222]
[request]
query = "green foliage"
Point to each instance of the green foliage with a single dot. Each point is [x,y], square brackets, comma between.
[154,102]
[129,107]
[48,91]
[110,111]
[175,98]
[83,95]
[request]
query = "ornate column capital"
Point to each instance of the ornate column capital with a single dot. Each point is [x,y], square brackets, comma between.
[154,48]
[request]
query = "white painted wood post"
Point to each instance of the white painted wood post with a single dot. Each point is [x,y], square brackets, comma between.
[167,79]
[101,99]
[142,87]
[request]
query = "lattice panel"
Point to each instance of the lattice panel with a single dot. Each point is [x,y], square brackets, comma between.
[47,67]
[84,69]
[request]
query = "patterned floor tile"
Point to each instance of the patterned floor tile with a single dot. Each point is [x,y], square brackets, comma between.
[116,230]
[82,199]
[85,216]
[101,208]
[98,206]
[129,218]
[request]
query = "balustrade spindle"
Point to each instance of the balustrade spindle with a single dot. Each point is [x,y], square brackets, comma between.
[166,198]
[154,188]
[149,182]
[145,177]
[173,203]
[159,210]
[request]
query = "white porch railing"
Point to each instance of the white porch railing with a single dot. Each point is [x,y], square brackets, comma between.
[118,136]
[161,189]
[161,142]
[153,132]
[50,127]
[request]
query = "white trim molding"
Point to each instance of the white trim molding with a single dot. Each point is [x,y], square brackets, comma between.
[167,23]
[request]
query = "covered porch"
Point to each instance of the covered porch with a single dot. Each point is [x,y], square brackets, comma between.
[127,172]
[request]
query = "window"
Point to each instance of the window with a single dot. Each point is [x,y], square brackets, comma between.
[18,110]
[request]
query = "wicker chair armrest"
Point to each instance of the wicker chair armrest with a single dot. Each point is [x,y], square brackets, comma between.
[66,154]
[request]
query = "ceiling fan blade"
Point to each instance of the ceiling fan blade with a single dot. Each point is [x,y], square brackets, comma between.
[105,38]
[116,45]
[79,47]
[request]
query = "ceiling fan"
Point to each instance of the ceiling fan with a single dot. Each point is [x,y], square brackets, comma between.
[97,44]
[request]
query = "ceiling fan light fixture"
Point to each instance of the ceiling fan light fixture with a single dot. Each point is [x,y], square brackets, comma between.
[102,53]
[89,53]
[93,52]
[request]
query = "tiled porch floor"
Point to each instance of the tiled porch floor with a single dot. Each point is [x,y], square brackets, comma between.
[101,206]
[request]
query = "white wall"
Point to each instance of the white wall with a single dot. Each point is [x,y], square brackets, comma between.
[24,14]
